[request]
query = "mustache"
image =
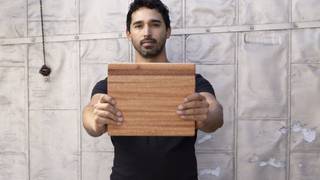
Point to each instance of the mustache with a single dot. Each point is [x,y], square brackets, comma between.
[148,40]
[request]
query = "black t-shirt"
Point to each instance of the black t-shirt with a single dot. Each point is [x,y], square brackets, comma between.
[154,158]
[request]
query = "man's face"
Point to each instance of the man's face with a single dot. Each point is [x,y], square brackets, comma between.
[148,32]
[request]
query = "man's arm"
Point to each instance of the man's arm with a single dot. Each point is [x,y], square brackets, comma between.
[204,109]
[100,112]
[215,114]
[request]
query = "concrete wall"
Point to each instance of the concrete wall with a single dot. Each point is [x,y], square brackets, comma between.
[262,57]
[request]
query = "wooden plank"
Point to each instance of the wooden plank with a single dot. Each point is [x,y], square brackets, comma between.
[164,69]
[148,96]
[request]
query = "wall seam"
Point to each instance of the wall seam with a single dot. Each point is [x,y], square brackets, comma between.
[27,111]
[245,118]
[315,63]
[288,155]
[235,126]
[289,107]
[27,17]
[186,31]
[80,116]
[185,36]
[27,115]
[79,86]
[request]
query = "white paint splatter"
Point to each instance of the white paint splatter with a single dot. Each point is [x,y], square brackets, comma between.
[309,135]
[296,127]
[278,164]
[261,164]
[272,162]
[253,159]
[213,172]
[205,138]
[283,130]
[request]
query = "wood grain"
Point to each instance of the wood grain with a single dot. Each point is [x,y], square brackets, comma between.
[148,96]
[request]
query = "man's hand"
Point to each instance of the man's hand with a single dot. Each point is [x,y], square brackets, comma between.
[99,113]
[202,108]
[194,107]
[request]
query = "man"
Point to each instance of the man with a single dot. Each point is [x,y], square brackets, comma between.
[152,158]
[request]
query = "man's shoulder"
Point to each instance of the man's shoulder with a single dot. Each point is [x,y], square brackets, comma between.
[203,85]
[199,76]
[200,79]
[100,87]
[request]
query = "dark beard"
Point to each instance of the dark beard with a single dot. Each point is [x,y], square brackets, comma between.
[149,54]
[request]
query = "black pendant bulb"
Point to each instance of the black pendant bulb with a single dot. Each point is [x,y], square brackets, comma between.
[45,70]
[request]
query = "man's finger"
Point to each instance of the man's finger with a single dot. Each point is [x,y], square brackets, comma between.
[193,104]
[107,99]
[194,117]
[196,111]
[108,107]
[194,97]
[107,114]
[106,121]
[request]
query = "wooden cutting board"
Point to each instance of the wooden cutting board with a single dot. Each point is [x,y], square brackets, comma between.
[148,96]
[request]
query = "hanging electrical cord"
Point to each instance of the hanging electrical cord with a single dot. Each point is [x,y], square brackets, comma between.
[45,70]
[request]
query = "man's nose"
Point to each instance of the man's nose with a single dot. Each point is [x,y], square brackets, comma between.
[147,31]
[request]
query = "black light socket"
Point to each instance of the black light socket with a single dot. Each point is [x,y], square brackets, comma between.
[45,70]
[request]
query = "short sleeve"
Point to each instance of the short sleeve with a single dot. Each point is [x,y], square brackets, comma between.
[100,87]
[203,85]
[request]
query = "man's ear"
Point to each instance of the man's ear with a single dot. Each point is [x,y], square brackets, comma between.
[128,35]
[168,33]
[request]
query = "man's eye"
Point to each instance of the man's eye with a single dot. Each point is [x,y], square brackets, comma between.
[138,26]
[156,25]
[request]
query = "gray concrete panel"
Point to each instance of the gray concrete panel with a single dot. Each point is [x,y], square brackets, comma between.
[59,16]
[105,51]
[13,19]
[211,48]
[14,125]
[100,16]
[174,49]
[305,166]
[13,166]
[215,166]
[206,13]
[13,55]
[175,12]
[96,144]
[263,12]
[52,28]
[305,10]
[96,165]
[54,144]
[261,150]
[58,10]
[305,103]
[262,75]
[61,91]
[306,46]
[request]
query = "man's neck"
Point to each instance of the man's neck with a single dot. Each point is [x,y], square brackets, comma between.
[161,58]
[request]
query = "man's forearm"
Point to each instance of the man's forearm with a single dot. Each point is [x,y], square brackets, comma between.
[89,125]
[215,114]
[214,120]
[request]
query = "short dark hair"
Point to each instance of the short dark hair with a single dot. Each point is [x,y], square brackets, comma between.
[151,4]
